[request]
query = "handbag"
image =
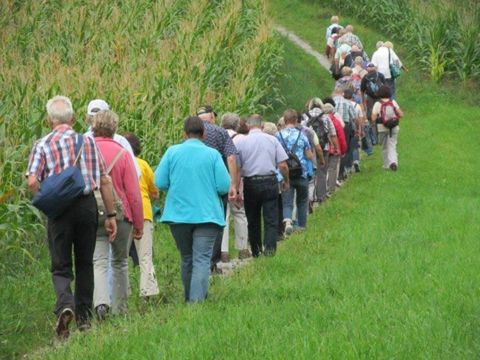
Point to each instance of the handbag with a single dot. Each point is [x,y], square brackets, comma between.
[58,191]
[394,68]
[102,211]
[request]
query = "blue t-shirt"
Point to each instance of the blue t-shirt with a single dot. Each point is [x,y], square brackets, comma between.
[290,136]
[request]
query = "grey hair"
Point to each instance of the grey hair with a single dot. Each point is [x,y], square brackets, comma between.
[358,60]
[379,44]
[349,28]
[105,123]
[254,120]
[314,103]
[230,121]
[270,128]
[60,108]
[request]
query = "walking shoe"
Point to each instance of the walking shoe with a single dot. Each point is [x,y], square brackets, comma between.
[393,167]
[269,253]
[357,167]
[102,311]
[83,324]
[64,319]
[288,227]
[244,254]
[215,270]
[224,258]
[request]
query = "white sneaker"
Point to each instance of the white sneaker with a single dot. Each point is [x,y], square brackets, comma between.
[288,227]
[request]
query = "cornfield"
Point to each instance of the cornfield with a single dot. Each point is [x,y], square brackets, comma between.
[155,62]
[443,36]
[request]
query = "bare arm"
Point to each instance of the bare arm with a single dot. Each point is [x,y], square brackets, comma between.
[283,167]
[308,154]
[106,189]
[319,152]
[33,184]
[234,175]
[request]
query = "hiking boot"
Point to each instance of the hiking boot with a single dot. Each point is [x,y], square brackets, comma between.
[83,324]
[357,167]
[224,258]
[64,319]
[393,167]
[269,253]
[244,254]
[215,270]
[102,312]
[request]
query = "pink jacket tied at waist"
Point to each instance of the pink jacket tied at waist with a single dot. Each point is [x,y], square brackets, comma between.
[125,180]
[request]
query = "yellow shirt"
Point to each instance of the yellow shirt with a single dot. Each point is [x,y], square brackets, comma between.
[147,187]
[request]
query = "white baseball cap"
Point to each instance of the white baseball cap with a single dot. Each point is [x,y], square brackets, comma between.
[97,105]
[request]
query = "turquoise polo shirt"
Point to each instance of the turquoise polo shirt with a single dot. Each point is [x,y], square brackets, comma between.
[194,176]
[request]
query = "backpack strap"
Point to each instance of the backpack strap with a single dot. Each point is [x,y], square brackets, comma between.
[294,147]
[78,148]
[232,137]
[112,164]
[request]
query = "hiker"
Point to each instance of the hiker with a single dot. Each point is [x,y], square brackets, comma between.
[339,60]
[260,155]
[349,38]
[358,72]
[337,148]
[217,138]
[383,58]
[231,123]
[330,49]
[298,148]
[97,105]
[271,129]
[383,110]
[325,131]
[359,134]
[369,86]
[121,169]
[76,228]
[144,246]
[334,25]
[193,175]
[347,113]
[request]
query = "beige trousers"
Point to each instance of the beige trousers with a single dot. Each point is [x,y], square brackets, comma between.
[119,262]
[241,228]
[144,246]
[389,146]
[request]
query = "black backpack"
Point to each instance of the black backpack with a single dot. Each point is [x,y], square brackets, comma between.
[295,169]
[320,128]
[373,85]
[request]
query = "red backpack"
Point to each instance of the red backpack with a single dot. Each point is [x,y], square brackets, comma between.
[342,142]
[389,116]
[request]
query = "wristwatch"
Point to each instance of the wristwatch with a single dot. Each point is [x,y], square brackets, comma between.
[111,215]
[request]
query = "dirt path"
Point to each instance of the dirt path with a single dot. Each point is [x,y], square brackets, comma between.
[322,59]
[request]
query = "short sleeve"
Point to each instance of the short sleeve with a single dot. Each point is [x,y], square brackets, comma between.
[280,153]
[36,162]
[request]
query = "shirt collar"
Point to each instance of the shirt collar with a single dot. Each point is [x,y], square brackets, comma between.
[255,130]
[62,128]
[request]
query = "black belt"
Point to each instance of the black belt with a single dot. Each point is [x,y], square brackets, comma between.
[260,177]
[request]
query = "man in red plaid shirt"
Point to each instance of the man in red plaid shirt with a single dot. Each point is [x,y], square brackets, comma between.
[76,228]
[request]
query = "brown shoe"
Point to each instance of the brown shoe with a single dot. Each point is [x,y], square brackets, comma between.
[244,254]
[224,257]
[61,329]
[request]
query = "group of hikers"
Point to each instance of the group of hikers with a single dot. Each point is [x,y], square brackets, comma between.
[266,176]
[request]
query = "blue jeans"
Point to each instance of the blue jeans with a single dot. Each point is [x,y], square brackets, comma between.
[391,84]
[368,140]
[300,185]
[195,243]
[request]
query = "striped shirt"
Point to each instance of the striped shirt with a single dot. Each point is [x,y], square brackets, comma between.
[56,152]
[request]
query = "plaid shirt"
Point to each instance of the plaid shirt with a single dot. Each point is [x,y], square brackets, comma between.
[56,152]
[350,39]
[217,138]
[345,109]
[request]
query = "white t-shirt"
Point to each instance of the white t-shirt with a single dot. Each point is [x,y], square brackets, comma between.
[380,59]
[376,110]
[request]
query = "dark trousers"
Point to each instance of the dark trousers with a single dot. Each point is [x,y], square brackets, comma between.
[76,229]
[261,195]
[217,247]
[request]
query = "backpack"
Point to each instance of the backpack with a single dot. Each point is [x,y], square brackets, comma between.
[320,128]
[388,115]
[372,85]
[295,169]
[342,142]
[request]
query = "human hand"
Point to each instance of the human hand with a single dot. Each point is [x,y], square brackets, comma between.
[137,234]
[111,228]
[285,186]
[232,193]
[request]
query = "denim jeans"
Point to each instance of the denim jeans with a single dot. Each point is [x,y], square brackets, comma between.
[369,139]
[261,195]
[391,84]
[300,186]
[195,243]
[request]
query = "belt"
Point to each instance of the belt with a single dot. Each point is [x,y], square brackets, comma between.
[260,177]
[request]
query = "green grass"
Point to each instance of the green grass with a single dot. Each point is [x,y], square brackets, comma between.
[387,269]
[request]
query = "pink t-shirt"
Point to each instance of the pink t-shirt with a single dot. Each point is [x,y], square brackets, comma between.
[125,180]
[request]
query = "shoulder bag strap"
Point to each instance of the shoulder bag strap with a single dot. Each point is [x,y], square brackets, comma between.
[78,148]
[115,160]
[389,59]
[283,141]
[294,147]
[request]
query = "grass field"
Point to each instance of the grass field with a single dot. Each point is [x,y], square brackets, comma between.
[386,269]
